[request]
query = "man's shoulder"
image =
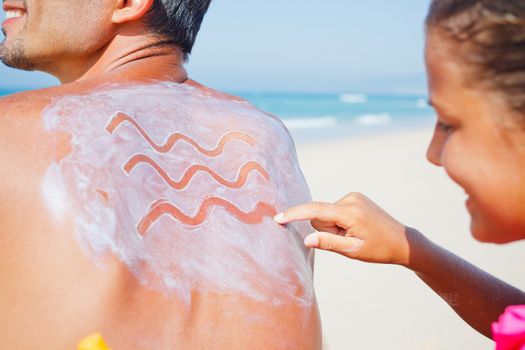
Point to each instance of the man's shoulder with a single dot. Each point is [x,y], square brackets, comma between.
[264,120]
[33,102]
[22,103]
[21,127]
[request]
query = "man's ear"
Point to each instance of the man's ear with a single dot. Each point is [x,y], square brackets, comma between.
[131,10]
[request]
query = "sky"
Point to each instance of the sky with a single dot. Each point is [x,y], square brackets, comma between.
[300,46]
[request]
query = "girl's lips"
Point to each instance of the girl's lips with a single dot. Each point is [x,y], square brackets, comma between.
[469,204]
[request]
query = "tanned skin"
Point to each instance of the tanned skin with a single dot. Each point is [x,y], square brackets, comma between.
[52,293]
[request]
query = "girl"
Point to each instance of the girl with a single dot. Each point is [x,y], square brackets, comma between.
[475,57]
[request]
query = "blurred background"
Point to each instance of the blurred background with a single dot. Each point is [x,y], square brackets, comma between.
[348,79]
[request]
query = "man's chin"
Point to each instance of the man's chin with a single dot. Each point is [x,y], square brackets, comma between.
[13,57]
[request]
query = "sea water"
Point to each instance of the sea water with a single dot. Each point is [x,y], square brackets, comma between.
[318,117]
[314,117]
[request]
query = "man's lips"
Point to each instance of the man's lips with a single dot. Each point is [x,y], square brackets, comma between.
[13,12]
[12,6]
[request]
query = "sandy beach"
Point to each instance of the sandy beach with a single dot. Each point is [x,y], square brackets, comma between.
[367,306]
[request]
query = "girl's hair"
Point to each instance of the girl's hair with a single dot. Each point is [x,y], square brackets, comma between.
[491,36]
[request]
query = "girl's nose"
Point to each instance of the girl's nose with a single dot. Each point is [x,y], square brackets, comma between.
[435,148]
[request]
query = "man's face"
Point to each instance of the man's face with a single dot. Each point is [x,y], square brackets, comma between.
[41,33]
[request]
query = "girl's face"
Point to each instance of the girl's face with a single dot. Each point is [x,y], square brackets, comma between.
[480,143]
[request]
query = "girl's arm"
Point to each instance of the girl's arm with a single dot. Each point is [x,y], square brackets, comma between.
[475,295]
[357,228]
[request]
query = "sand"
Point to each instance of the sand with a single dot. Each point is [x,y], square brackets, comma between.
[366,306]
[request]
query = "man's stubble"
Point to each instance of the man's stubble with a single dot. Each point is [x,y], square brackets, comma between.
[12,54]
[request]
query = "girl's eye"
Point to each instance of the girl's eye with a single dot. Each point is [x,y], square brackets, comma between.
[446,128]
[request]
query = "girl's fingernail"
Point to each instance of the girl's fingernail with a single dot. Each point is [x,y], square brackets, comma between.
[279,217]
[311,241]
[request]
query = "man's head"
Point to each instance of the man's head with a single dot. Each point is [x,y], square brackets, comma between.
[42,33]
[178,21]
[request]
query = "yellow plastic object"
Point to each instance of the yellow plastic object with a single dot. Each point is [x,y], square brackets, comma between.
[93,342]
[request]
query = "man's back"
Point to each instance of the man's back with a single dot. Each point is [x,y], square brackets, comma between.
[144,212]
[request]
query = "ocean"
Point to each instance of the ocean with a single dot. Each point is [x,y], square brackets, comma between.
[316,117]
[311,117]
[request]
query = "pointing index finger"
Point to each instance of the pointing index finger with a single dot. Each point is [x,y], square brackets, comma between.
[309,211]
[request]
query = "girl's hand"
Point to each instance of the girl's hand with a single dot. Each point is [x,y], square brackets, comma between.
[354,227]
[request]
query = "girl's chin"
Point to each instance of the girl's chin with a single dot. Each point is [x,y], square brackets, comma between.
[485,235]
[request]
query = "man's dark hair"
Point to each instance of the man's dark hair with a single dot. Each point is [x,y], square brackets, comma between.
[178,21]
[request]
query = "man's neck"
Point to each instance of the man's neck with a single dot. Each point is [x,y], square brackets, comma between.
[129,56]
